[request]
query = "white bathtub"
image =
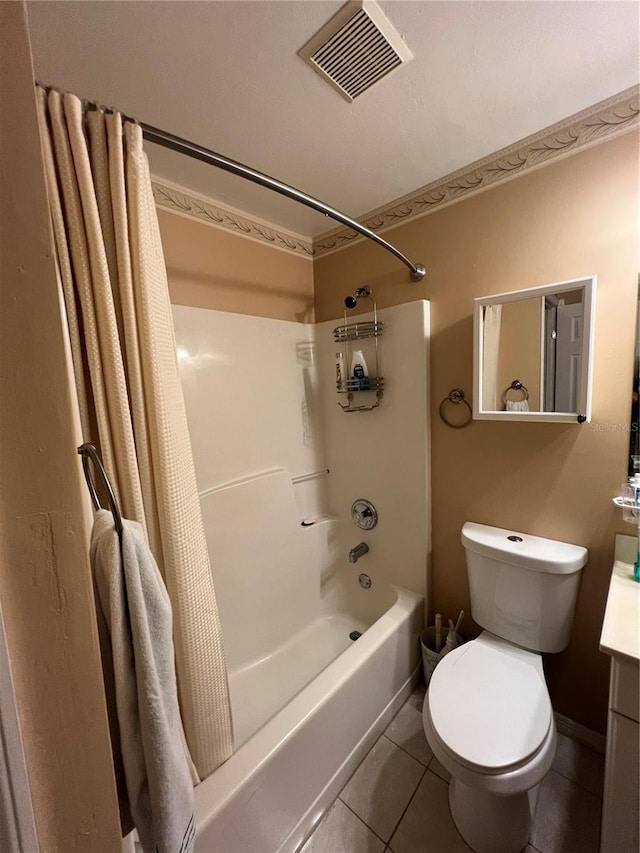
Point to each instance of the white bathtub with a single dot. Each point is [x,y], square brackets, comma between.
[270,794]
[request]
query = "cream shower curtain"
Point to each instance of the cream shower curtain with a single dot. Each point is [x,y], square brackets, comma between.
[491,347]
[130,398]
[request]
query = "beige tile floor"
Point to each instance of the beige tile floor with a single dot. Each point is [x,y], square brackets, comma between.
[397,799]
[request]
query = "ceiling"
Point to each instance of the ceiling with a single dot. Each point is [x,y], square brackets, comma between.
[226,74]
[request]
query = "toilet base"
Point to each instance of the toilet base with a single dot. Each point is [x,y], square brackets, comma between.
[490,823]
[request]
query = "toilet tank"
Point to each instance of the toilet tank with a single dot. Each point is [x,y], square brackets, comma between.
[523,588]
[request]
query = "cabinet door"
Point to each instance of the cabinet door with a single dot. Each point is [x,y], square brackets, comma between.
[624,689]
[621,788]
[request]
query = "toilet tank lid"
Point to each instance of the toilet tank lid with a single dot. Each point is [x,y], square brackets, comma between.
[523,550]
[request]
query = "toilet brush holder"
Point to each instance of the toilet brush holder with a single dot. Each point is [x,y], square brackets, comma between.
[430,657]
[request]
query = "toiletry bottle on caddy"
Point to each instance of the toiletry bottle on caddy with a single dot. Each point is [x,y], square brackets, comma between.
[359,371]
[340,373]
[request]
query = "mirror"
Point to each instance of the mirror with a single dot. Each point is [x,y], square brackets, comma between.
[533,353]
[634,431]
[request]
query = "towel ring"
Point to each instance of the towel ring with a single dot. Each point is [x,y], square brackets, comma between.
[456,396]
[88,452]
[516,385]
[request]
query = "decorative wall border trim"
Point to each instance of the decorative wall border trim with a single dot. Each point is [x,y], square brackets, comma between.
[177,199]
[599,123]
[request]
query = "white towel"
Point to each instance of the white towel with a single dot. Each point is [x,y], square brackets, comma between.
[517,406]
[152,763]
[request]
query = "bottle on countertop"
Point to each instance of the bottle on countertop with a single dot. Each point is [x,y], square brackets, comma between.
[359,370]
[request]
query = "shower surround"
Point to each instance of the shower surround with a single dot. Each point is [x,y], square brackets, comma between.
[272,449]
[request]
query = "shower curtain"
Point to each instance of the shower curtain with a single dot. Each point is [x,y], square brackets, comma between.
[491,347]
[114,282]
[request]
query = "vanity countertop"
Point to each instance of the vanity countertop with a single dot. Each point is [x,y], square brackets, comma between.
[621,626]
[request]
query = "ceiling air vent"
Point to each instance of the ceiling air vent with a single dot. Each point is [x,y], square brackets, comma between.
[356,48]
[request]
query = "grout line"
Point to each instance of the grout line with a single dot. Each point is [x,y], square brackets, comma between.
[408,804]
[574,782]
[386,843]
[436,774]
[422,775]
[439,778]
[363,821]
[421,763]
[365,756]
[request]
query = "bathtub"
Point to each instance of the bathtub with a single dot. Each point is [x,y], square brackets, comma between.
[271,793]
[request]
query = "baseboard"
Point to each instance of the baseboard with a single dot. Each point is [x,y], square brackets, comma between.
[299,835]
[594,740]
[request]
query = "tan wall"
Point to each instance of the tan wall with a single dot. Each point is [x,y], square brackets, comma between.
[571,219]
[519,353]
[211,268]
[45,582]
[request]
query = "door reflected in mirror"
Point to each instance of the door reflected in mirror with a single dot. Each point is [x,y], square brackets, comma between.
[533,353]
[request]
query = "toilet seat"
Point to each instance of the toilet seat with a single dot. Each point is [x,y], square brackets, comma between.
[489,706]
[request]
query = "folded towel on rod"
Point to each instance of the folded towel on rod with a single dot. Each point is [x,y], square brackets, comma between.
[154,772]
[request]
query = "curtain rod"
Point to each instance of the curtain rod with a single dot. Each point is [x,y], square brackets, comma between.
[198,152]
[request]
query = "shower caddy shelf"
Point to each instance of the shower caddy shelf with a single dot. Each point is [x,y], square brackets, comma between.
[347,334]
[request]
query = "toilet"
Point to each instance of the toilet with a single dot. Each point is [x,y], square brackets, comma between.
[487,714]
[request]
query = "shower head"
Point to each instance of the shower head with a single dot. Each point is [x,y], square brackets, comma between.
[361,293]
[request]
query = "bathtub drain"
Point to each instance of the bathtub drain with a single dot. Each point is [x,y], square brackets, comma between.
[354,635]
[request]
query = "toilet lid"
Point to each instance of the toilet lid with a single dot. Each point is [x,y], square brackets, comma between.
[490,708]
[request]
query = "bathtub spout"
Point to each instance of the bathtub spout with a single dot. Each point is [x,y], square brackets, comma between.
[357,552]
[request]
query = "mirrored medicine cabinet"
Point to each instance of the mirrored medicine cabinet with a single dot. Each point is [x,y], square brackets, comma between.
[533,353]
[634,417]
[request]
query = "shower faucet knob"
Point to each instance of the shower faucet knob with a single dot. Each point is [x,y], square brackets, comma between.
[363,514]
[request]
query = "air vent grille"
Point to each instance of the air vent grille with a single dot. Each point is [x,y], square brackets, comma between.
[357,48]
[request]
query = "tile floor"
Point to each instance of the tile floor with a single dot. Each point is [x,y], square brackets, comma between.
[397,799]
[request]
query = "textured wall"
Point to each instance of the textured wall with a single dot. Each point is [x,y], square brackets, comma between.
[571,219]
[211,268]
[45,581]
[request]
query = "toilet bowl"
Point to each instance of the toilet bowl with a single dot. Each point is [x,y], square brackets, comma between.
[488,719]
[487,714]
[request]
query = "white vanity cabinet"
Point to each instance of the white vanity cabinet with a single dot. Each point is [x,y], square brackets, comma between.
[621,639]
[621,791]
